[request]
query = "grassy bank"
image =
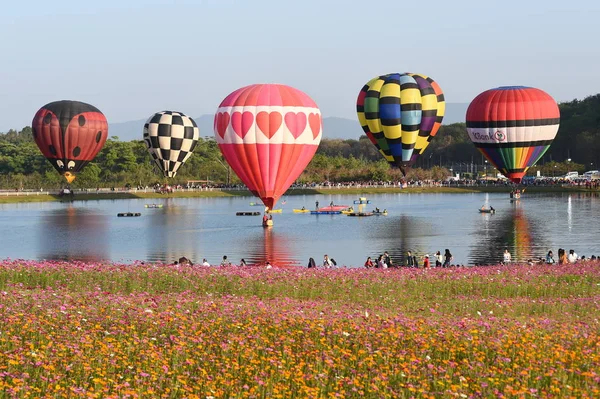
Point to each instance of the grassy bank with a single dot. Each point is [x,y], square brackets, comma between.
[291,192]
[100,330]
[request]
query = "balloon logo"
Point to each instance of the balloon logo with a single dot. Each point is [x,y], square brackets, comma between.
[400,114]
[513,127]
[170,138]
[268,133]
[69,134]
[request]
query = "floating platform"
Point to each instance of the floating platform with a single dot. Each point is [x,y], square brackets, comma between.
[153,205]
[256,204]
[361,214]
[267,223]
[247,213]
[379,213]
[320,212]
[128,214]
[336,208]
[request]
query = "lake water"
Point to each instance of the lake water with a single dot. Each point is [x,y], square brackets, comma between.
[208,228]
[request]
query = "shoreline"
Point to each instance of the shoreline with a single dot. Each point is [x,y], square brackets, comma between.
[36,197]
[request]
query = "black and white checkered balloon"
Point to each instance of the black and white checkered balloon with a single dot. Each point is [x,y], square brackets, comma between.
[170,137]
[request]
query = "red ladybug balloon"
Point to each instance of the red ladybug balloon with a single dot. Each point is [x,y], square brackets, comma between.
[69,134]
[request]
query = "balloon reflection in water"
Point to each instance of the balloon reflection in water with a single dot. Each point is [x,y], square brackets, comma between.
[512,229]
[73,233]
[162,244]
[272,246]
[398,235]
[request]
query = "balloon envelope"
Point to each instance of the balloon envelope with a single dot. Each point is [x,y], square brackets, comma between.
[268,133]
[513,126]
[401,113]
[170,137]
[69,134]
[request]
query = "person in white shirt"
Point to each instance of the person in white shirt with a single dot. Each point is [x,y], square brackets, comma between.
[506,257]
[572,257]
[205,262]
[326,261]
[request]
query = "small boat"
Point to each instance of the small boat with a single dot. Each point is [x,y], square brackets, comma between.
[380,213]
[247,213]
[267,223]
[153,205]
[362,200]
[256,204]
[274,210]
[128,214]
[301,210]
[486,210]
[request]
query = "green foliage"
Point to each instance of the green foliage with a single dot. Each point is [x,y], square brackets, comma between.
[120,163]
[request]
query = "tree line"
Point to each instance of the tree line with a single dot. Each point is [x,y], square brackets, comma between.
[119,163]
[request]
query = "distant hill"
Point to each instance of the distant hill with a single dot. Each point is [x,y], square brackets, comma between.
[333,127]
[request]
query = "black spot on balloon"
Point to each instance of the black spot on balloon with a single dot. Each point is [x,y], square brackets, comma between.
[52,149]
[81,120]
[76,151]
[47,118]
[98,136]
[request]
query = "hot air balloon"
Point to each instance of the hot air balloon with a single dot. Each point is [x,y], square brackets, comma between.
[69,134]
[268,133]
[171,138]
[513,126]
[400,114]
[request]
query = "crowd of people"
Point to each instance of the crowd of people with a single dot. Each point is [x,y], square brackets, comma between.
[444,260]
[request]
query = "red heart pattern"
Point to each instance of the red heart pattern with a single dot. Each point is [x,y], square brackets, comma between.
[242,123]
[314,121]
[268,122]
[296,123]
[221,123]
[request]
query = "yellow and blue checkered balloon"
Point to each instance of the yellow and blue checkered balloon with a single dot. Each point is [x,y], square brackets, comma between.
[401,113]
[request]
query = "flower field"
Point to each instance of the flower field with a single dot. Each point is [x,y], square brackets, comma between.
[74,330]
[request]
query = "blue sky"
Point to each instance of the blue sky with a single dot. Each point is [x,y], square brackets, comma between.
[133,58]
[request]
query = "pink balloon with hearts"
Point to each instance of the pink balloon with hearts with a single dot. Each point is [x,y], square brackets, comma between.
[268,133]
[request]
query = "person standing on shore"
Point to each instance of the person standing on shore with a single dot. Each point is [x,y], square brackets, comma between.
[447,258]
[409,259]
[438,259]
[506,258]
[387,259]
[562,257]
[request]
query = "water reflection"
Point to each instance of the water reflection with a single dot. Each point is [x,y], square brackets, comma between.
[399,234]
[172,232]
[270,245]
[510,229]
[73,233]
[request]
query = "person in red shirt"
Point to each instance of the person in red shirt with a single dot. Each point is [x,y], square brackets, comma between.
[369,263]
[426,262]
